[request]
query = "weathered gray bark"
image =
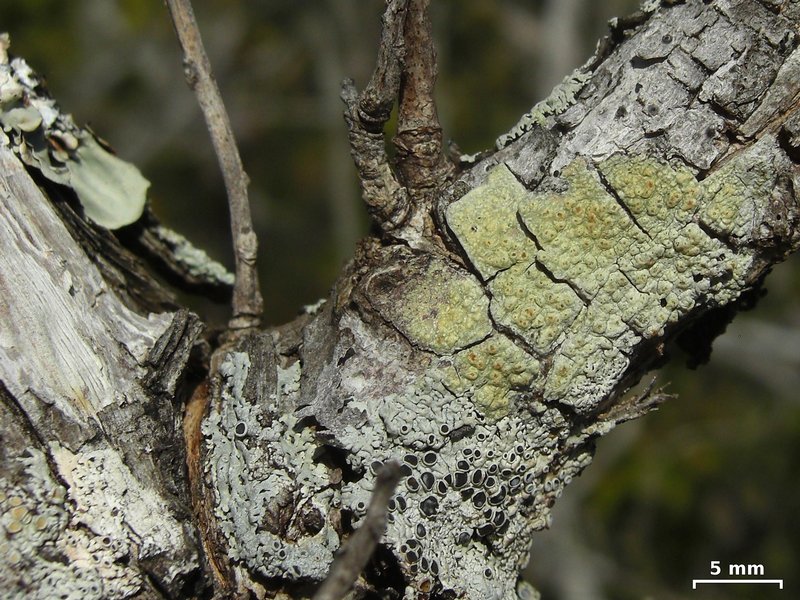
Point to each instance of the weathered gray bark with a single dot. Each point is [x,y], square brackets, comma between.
[651,192]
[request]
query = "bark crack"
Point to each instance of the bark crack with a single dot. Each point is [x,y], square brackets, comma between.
[611,191]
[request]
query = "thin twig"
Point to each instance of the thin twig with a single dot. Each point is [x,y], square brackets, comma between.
[357,551]
[247,302]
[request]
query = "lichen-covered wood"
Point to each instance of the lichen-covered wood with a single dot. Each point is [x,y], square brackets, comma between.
[486,353]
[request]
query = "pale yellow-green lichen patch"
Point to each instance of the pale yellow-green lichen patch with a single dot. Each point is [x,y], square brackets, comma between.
[664,201]
[533,306]
[620,257]
[727,207]
[485,223]
[657,195]
[583,369]
[433,304]
[491,371]
[733,197]
[582,232]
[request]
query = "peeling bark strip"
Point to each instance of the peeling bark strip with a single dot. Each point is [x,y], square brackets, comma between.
[92,494]
[653,188]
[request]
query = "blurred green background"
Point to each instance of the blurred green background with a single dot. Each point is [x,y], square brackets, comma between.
[711,476]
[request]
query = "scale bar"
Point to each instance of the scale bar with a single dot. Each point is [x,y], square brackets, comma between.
[777,581]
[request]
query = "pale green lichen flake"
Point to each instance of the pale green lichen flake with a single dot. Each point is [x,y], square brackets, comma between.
[484,221]
[112,192]
[439,308]
[620,257]
[559,100]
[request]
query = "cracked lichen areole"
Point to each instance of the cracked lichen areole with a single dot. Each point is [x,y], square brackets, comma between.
[587,274]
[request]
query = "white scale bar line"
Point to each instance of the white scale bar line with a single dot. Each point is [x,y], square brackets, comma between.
[696,581]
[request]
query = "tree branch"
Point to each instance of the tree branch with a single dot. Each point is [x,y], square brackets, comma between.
[421,162]
[406,71]
[247,302]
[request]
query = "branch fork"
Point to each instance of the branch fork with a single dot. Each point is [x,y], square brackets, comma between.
[399,197]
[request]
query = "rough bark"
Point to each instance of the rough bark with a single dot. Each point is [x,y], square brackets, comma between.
[645,198]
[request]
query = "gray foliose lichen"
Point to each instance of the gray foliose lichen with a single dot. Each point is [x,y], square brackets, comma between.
[194,260]
[272,497]
[559,100]
[111,191]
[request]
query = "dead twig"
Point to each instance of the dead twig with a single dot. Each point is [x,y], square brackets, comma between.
[247,302]
[354,555]
[366,115]
[421,161]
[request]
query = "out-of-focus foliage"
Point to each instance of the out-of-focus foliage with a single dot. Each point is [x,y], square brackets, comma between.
[711,476]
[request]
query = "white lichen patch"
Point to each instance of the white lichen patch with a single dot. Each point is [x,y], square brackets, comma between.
[46,555]
[474,450]
[484,221]
[314,308]
[97,479]
[260,467]
[436,306]
[461,513]
[289,380]
[406,417]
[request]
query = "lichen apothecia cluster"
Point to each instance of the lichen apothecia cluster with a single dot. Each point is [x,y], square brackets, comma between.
[477,471]
[611,262]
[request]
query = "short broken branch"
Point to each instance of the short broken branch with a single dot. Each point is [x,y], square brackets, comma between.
[405,72]
[356,552]
[366,115]
[247,301]
[422,164]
